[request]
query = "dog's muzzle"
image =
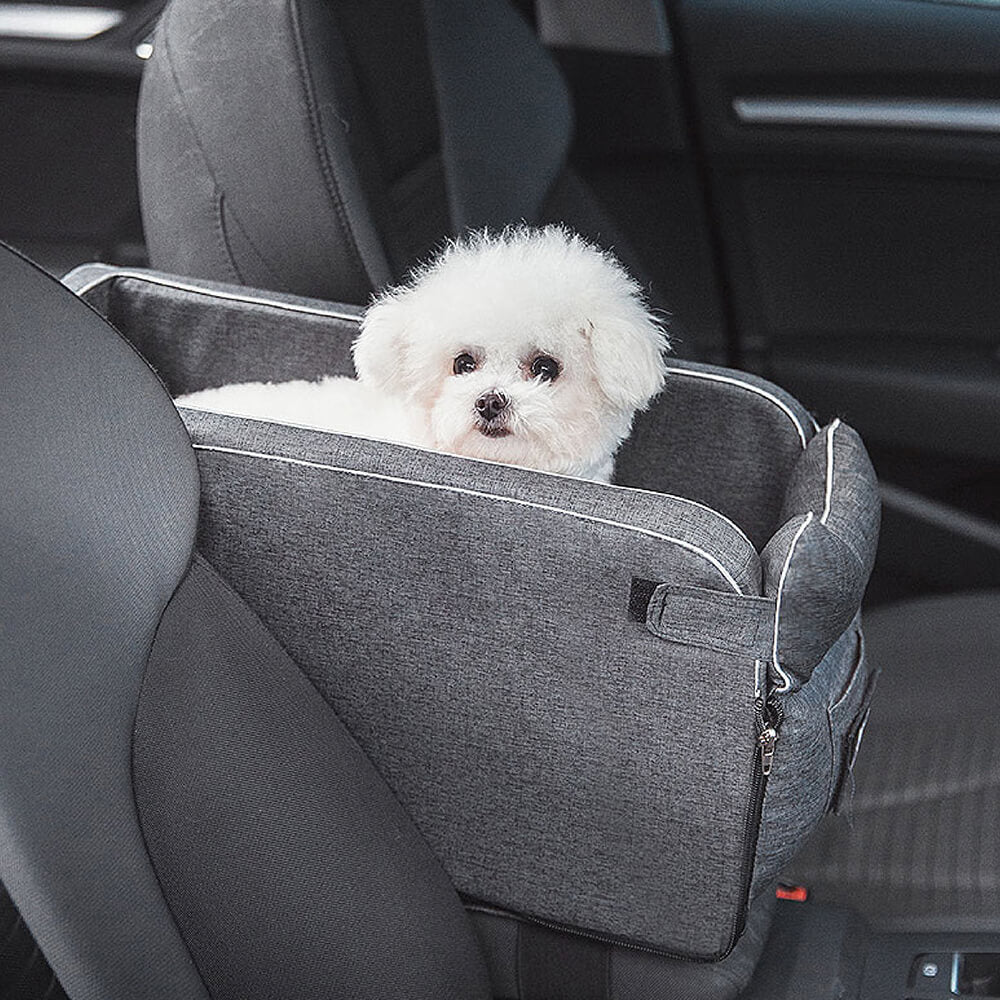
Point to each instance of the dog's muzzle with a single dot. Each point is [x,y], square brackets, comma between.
[490,407]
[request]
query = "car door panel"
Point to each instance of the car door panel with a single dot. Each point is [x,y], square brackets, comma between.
[852,158]
[67,120]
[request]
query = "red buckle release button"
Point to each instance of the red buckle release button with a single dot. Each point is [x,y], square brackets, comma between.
[794,893]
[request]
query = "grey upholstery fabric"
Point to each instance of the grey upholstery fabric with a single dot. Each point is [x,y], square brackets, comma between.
[727,622]
[820,560]
[199,334]
[917,849]
[291,868]
[713,552]
[201,181]
[499,684]
[98,504]
[750,434]
[815,753]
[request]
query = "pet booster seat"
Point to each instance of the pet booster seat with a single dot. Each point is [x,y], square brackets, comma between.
[611,710]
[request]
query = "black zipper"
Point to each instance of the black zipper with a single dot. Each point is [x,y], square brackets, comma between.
[552,925]
[768,715]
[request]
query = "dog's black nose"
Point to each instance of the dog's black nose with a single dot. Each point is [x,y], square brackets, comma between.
[491,404]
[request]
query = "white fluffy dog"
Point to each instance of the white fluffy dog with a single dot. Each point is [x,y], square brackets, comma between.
[529,347]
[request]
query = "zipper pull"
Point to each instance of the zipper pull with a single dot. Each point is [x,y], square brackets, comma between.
[767,740]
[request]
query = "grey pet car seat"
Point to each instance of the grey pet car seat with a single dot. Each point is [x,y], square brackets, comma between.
[572,689]
[428,138]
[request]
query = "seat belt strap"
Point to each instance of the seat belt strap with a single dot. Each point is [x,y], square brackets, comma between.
[554,965]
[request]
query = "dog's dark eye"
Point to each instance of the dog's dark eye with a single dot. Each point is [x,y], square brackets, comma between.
[464,364]
[545,368]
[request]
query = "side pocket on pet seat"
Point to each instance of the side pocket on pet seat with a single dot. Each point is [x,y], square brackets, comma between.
[822,726]
[847,718]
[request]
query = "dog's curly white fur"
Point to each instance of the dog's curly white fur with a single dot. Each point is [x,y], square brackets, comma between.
[530,347]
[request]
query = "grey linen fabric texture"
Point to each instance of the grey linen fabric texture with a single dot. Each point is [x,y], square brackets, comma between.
[561,760]
[815,747]
[727,623]
[729,446]
[469,624]
[199,334]
[822,556]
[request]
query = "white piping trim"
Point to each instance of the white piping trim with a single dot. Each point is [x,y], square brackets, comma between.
[828,496]
[254,300]
[728,380]
[726,575]
[354,318]
[786,681]
[485,461]
[673,496]
[757,690]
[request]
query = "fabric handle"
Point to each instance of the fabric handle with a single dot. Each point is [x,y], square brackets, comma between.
[694,616]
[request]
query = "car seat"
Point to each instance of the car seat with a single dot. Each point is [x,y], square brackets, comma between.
[374,143]
[367,119]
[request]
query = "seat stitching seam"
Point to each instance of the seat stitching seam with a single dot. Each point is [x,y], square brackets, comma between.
[322,156]
[189,121]
[234,219]
[220,224]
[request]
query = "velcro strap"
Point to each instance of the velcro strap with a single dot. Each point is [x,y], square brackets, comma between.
[729,623]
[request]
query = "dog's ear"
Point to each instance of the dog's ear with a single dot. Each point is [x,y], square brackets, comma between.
[380,348]
[628,357]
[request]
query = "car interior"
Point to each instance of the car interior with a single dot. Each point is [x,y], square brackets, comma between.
[807,189]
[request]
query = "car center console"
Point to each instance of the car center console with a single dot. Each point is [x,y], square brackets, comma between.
[933,966]
[824,952]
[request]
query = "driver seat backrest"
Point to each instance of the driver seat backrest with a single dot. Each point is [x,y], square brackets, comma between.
[181,813]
